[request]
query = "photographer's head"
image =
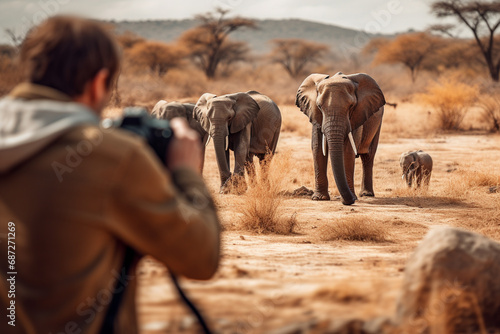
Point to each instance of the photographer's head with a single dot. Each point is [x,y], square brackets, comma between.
[76,56]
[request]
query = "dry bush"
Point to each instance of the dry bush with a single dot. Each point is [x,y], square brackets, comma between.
[294,121]
[355,228]
[490,105]
[261,206]
[451,99]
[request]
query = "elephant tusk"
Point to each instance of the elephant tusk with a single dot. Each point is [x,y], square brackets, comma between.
[227,142]
[402,177]
[351,139]
[323,145]
[208,140]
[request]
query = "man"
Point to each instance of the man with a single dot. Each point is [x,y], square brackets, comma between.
[74,197]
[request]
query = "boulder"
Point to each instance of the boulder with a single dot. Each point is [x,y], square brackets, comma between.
[451,284]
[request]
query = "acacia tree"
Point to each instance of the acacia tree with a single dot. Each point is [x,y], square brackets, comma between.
[208,43]
[296,54]
[410,50]
[156,56]
[483,19]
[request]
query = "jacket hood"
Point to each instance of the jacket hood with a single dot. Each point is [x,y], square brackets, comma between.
[28,126]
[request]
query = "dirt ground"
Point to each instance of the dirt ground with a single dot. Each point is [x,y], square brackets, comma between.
[270,283]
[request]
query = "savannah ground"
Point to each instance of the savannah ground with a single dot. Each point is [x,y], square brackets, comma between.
[311,265]
[339,262]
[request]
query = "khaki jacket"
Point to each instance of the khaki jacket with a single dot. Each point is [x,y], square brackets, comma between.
[76,203]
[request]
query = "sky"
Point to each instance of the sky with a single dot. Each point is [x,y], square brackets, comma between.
[375,16]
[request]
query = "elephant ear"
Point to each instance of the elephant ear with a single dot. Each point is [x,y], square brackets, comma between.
[159,109]
[175,109]
[245,110]
[307,95]
[369,98]
[201,110]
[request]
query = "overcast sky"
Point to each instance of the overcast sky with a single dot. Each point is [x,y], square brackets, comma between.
[378,16]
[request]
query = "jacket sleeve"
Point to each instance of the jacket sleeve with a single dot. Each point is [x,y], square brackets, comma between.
[168,215]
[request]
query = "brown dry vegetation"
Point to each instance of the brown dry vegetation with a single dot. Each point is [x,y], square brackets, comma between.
[290,263]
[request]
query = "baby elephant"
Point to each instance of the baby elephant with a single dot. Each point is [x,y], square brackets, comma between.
[416,166]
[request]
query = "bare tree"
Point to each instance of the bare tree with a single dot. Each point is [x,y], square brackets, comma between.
[296,54]
[483,19]
[410,50]
[208,43]
[443,29]
[16,39]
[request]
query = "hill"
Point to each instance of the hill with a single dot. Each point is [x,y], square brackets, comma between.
[338,38]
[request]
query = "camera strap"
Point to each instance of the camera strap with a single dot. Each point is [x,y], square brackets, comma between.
[108,325]
[190,305]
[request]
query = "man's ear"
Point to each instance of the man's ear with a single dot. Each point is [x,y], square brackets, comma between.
[96,93]
[99,86]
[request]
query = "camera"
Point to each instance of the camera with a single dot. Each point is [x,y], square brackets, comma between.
[157,132]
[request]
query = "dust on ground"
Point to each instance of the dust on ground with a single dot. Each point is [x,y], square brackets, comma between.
[283,284]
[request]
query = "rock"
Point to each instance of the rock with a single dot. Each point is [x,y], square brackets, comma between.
[302,191]
[451,284]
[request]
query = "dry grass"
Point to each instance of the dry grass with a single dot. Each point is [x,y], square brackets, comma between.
[451,99]
[261,206]
[355,228]
[468,182]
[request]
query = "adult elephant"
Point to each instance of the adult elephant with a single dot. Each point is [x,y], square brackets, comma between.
[169,110]
[247,123]
[346,113]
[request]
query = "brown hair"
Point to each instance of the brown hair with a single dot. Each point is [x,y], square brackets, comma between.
[65,53]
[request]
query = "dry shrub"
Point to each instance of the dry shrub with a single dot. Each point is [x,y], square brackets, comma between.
[451,99]
[490,106]
[355,228]
[294,121]
[261,206]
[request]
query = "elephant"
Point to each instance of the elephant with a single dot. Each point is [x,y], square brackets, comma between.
[346,114]
[247,123]
[416,166]
[169,110]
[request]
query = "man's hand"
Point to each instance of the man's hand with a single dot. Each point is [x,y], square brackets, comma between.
[185,148]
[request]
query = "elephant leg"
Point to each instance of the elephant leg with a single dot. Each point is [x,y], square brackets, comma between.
[367,161]
[241,157]
[349,163]
[427,178]
[320,166]
[420,174]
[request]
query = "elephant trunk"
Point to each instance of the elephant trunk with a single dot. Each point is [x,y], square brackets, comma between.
[335,132]
[220,153]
